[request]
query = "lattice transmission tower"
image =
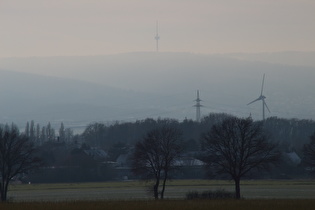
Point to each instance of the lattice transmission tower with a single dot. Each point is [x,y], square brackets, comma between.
[198,106]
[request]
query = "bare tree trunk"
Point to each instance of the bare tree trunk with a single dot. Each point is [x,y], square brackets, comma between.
[163,187]
[1,189]
[4,189]
[237,188]
[156,189]
[5,192]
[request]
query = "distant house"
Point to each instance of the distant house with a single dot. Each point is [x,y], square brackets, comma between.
[123,160]
[188,162]
[96,154]
[123,168]
[293,158]
[186,166]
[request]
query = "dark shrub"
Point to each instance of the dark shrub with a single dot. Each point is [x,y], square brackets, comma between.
[217,194]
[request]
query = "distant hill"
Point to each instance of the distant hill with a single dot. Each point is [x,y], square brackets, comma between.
[26,97]
[146,84]
[291,58]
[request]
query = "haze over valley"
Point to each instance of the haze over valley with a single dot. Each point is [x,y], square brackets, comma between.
[101,92]
[85,61]
[131,86]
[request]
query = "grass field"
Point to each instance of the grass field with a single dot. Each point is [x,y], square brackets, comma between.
[253,204]
[135,190]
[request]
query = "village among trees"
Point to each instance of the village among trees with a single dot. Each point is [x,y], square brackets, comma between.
[220,146]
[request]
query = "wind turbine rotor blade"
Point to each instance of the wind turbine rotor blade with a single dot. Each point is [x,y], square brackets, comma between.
[265,104]
[262,85]
[254,101]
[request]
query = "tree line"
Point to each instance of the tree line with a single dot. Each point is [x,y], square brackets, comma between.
[291,134]
[227,145]
[41,134]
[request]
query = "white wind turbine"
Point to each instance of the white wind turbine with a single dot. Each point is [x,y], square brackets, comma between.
[262,98]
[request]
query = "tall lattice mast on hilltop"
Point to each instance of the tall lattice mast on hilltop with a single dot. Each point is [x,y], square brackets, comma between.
[157,37]
[198,106]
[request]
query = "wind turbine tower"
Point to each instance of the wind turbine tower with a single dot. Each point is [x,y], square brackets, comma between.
[157,37]
[262,98]
[198,105]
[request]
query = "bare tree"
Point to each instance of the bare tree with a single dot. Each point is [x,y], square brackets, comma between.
[68,135]
[155,155]
[38,142]
[236,146]
[309,152]
[94,134]
[32,131]
[16,157]
[27,129]
[62,134]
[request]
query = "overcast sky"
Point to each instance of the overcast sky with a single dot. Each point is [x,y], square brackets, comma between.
[94,27]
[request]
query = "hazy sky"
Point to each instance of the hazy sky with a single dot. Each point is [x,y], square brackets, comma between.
[92,27]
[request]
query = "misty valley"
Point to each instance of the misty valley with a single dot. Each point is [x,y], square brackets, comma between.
[157,104]
[134,86]
[87,119]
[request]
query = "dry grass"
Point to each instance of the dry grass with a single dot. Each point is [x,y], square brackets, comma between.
[132,195]
[130,190]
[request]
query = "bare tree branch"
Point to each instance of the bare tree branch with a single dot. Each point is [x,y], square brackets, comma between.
[155,155]
[236,146]
[16,157]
